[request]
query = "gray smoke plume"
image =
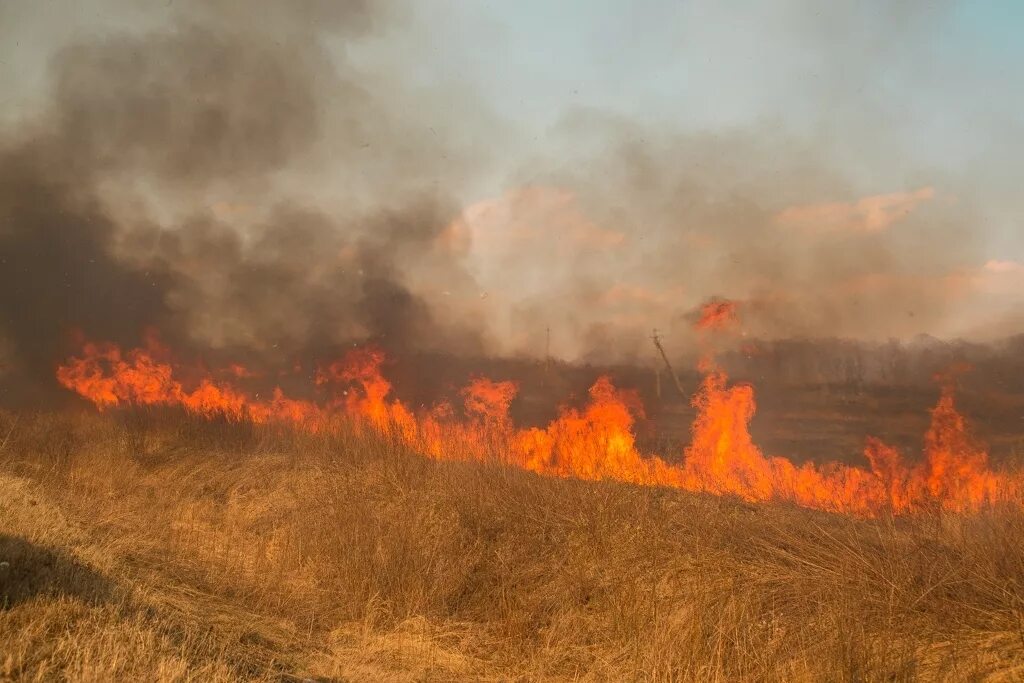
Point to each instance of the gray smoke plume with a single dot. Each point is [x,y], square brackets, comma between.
[110,221]
[243,177]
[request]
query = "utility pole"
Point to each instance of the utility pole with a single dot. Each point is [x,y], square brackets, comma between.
[547,351]
[675,378]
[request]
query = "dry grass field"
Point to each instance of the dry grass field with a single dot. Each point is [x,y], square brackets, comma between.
[148,545]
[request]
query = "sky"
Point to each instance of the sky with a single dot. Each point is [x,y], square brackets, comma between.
[898,96]
[892,91]
[825,164]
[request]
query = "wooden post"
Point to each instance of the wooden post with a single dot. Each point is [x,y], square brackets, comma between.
[664,357]
[547,353]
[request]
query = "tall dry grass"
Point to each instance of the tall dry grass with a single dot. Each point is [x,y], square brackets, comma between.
[151,546]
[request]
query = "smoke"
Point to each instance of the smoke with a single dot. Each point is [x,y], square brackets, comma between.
[58,269]
[841,206]
[113,217]
[708,217]
[246,176]
[759,217]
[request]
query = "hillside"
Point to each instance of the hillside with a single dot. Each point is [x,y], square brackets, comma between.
[147,545]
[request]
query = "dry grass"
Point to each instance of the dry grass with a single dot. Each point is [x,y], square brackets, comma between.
[150,546]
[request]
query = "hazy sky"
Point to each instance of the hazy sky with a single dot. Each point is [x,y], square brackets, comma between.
[934,85]
[885,135]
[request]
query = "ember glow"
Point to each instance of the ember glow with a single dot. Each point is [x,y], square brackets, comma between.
[718,314]
[594,442]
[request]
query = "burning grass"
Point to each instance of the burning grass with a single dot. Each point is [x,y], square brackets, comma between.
[156,545]
[593,442]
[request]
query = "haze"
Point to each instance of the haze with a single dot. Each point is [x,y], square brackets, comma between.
[464,176]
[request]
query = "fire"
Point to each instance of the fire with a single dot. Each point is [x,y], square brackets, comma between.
[366,391]
[360,367]
[722,457]
[109,377]
[954,474]
[718,314]
[596,441]
[955,467]
[488,402]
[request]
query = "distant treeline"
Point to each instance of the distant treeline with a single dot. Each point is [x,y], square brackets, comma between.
[843,361]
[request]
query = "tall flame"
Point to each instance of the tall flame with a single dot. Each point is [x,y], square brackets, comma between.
[594,442]
[488,402]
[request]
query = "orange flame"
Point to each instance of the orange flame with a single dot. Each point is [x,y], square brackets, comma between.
[594,442]
[488,401]
[956,467]
[108,377]
[718,314]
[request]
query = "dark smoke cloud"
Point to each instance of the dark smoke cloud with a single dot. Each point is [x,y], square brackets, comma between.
[192,106]
[229,173]
[57,270]
[302,281]
[107,223]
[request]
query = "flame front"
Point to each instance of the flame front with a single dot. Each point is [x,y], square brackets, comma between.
[109,377]
[595,442]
